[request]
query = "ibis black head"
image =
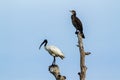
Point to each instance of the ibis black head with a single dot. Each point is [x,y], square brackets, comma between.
[45,41]
[73,11]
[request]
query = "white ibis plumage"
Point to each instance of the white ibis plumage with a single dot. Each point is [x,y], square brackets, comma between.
[52,50]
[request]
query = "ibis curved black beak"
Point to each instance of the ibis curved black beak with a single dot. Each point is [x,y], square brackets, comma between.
[41,44]
[45,41]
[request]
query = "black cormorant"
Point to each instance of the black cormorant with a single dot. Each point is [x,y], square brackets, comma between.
[77,23]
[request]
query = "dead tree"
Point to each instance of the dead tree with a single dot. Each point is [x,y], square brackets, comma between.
[83,68]
[54,69]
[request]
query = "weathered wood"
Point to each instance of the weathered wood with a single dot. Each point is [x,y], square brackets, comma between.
[54,69]
[83,68]
[87,53]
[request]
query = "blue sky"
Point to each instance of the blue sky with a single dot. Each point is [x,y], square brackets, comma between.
[24,24]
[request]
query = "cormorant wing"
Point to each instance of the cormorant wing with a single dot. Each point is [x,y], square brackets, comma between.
[78,22]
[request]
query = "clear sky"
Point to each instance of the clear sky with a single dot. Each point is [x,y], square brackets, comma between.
[24,24]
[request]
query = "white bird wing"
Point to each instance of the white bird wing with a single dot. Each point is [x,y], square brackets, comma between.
[55,51]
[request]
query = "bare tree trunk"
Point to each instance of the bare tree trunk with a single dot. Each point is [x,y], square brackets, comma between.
[83,68]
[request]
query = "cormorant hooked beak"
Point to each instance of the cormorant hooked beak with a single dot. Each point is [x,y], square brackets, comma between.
[45,41]
[72,11]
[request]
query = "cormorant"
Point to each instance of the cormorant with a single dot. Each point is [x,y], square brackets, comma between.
[77,23]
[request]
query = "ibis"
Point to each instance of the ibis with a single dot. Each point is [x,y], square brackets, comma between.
[52,50]
[77,23]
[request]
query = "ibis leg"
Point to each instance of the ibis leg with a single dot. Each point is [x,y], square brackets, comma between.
[54,61]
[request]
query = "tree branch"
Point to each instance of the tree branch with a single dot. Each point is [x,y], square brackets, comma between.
[54,69]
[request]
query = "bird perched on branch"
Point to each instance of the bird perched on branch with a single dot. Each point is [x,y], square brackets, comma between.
[52,50]
[77,23]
